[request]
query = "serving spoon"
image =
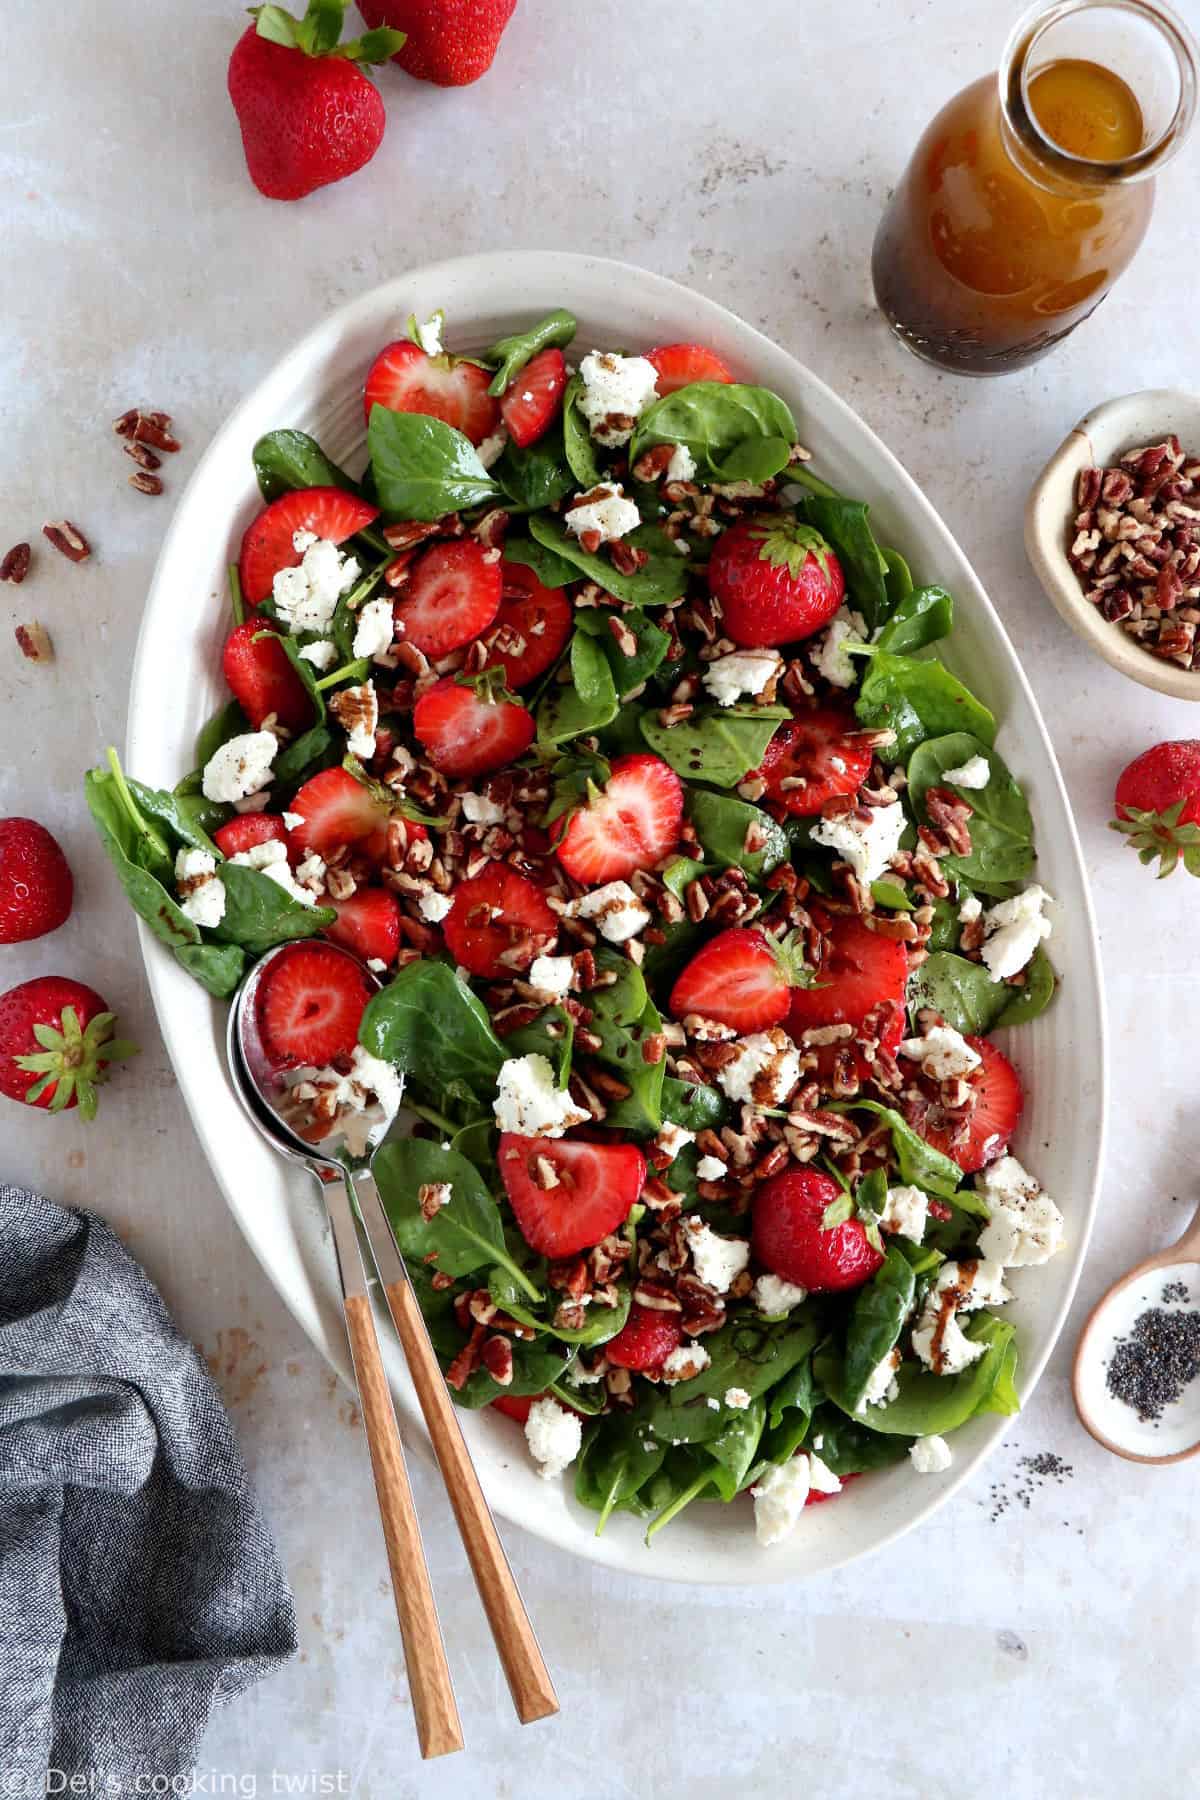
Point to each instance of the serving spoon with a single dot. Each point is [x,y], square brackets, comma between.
[264,1096]
[1108,1419]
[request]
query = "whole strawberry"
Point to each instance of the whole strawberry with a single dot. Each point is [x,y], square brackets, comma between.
[35,882]
[451,42]
[308,114]
[776,581]
[56,1041]
[1158,805]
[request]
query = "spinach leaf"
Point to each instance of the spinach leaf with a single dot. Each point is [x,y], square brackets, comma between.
[287,460]
[963,992]
[464,1235]
[680,873]
[424,468]
[662,579]
[843,523]
[179,813]
[619,1001]
[628,672]
[850,1448]
[512,353]
[920,618]
[746,1353]
[536,476]
[735,1447]
[946,928]
[890,895]
[696,1108]
[621,1053]
[578,448]
[584,704]
[431,1025]
[136,852]
[918,700]
[1025,1003]
[229,722]
[755,459]
[552,1035]
[602,1322]
[259,913]
[1000,825]
[716,744]
[551,569]
[897,578]
[880,1309]
[713,418]
[217,967]
[304,755]
[928,1403]
[309,676]
[536,1367]
[920,1164]
[723,825]
[618,1457]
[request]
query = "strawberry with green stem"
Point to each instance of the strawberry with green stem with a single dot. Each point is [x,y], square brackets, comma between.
[56,1042]
[1158,805]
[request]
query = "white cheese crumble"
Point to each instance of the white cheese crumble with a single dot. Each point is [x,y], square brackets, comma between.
[830,650]
[271,859]
[781,1494]
[684,1362]
[616,910]
[477,809]
[240,767]
[867,839]
[321,653]
[1014,930]
[974,773]
[727,678]
[942,1053]
[764,1070]
[551,975]
[202,896]
[366,1099]
[673,1138]
[773,1295]
[717,1260]
[492,448]
[429,335]
[554,1436]
[529,1102]
[938,1339]
[357,711]
[293,821]
[682,466]
[882,1386]
[970,910]
[616,392]
[611,516]
[930,1455]
[711,1168]
[374,631]
[311,872]
[1025,1226]
[307,596]
[737,1398]
[905,1211]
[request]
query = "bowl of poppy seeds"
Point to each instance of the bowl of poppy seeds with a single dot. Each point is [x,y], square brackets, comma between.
[1138,1374]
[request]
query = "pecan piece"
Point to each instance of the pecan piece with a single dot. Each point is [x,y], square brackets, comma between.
[15,566]
[145,483]
[34,642]
[67,539]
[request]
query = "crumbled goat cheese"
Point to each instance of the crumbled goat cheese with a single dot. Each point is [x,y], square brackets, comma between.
[1014,930]
[867,840]
[321,653]
[364,1101]
[307,596]
[240,767]
[492,448]
[292,821]
[616,910]
[271,860]
[684,1362]
[311,872]
[1025,1226]
[764,1070]
[374,630]
[882,1386]
[357,711]
[906,1212]
[429,335]
[711,1168]
[830,651]
[970,910]
[717,1260]
[821,1478]
[942,1053]
[938,1339]
[202,894]
[682,466]
[477,809]
[551,975]
[554,1436]
[727,678]
[737,1398]
[612,515]
[616,392]
[779,1499]
[530,1103]
[930,1455]
[973,774]
[673,1138]
[773,1295]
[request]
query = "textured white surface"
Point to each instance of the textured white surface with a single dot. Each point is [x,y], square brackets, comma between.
[747,151]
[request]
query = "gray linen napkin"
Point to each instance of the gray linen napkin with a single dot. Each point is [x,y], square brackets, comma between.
[138,1580]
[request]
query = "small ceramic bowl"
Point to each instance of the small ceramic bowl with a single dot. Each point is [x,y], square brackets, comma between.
[1099,440]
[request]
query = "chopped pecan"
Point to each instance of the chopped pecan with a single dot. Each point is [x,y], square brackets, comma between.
[15,566]
[67,539]
[34,643]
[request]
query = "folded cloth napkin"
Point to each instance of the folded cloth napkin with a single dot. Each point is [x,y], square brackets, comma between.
[138,1580]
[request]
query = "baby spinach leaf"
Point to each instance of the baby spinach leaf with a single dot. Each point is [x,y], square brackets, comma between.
[180,814]
[552,1035]
[585,703]
[511,354]
[466,1234]
[1000,825]
[621,1053]
[877,1318]
[843,523]
[747,1353]
[918,700]
[309,676]
[716,744]
[129,850]
[696,1108]
[663,579]
[848,1447]
[963,992]
[735,1447]
[578,448]
[946,927]
[312,750]
[536,1367]
[217,967]
[229,722]
[723,824]
[897,578]
[536,476]
[680,873]
[1025,1003]
[287,460]
[259,914]
[713,418]
[755,459]
[424,468]
[551,569]
[930,1404]
[602,1322]
[920,618]
[618,1457]
[477,1142]
[431,1025]
[620,1001]
[891,896]
[919,1162]
[628,672]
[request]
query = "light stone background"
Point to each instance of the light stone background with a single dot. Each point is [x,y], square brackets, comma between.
[746,150]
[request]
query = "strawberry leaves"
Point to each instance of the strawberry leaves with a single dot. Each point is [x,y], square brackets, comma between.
[317,33]
[73,1060]
[1160,834]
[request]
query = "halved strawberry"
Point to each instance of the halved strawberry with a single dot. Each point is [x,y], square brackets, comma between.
[267,546]
[534,396]
[248,829]
[645,1340]
[790,1240]
[262,680]
[310,1004]
[823,752]
[404,379]
[679,365]
[498,923]
[998,1104]
[740,978]
[450,598]
[860,973]
[334,809]
[368,923]
[531,629]
[632,824]
[597,1184]
[466,732]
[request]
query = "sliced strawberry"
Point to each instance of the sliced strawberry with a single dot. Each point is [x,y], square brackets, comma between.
[819,750]
[740,978]
[310,1005]
[466,733]
[248,829]
[788,1236]
[267,547]
[531,629]
[861,975]
[645,1340]
[534,396]
[335,809]
[450,598]
[997,1113]
[262,680]
[498,923]
[597,1184]
[631,825]
[368,923]
[404,379]
[679,365]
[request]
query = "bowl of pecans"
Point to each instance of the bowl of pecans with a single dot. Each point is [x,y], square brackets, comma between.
[1112,528]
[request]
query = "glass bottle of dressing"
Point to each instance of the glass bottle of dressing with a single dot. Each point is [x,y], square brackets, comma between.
[1028,196]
